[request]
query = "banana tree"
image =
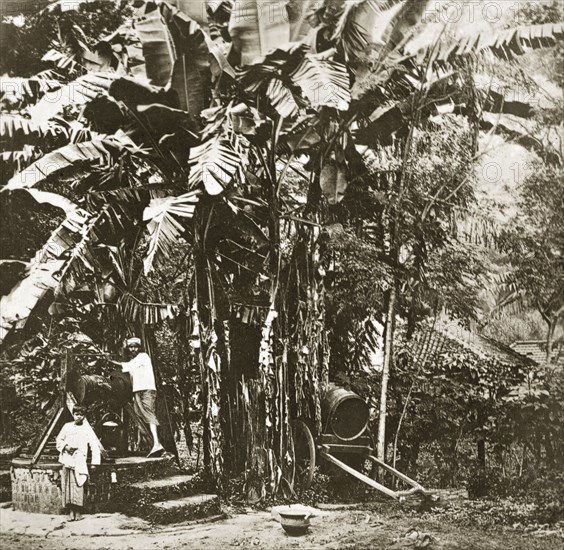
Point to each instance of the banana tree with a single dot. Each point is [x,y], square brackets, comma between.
[213,138]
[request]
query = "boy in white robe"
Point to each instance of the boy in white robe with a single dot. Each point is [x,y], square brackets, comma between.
[72,443]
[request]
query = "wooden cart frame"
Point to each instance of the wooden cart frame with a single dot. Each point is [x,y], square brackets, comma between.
[328,447]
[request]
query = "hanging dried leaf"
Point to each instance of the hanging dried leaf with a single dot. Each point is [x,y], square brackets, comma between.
[333,181]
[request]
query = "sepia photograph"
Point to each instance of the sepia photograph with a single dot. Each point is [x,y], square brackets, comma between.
[282,274]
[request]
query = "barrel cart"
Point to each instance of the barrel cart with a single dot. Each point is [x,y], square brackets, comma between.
[344,420]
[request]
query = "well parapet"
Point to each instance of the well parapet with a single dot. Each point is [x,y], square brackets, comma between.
[37,487]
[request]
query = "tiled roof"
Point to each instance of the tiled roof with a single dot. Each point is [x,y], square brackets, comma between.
[536,350]
[430,342]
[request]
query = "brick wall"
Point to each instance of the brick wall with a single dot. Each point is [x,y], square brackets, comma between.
[37,488]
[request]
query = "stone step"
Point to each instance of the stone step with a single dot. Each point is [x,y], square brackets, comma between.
[133,469]
[152,490]
[163,482]
[183,509]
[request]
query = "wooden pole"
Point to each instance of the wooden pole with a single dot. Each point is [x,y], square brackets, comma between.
[381,443]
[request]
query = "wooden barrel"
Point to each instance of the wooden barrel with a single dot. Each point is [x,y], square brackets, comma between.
[344,413]
[121,385]
[92,387]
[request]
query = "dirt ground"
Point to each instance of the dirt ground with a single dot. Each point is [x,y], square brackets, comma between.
[352,528]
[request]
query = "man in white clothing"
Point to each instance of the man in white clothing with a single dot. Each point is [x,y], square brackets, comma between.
[140,368]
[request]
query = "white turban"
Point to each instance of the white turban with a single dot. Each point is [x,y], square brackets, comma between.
[130,341]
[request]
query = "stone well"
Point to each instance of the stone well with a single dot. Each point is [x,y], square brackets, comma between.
[37,487]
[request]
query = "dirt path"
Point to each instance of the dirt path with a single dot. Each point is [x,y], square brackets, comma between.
[338,530]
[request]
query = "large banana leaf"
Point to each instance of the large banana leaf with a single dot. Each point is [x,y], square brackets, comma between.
[164,228]
[186,56]
[158,47]
[505,44]
[17,306]
[409,14]
[323,81]
[98,151]
[377,23]
[81,261]
[273,75]
[282,98]
[12,124]
[43,274]
[547,142]
[298,13]
[78,92]
[363,22]
[190,75]
[28,90]
[194,9]
[258,26]
[215,164]
[53,199]
[189,82]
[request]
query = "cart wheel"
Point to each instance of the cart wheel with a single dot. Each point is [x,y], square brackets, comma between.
[304,452]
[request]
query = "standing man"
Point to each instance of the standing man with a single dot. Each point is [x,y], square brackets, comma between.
[140,368]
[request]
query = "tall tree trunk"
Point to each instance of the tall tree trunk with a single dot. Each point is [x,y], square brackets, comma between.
[550,339]
[482,453]
[388,341]
[204,320]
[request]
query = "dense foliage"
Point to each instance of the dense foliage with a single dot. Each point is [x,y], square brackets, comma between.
[254,207]
[534,241]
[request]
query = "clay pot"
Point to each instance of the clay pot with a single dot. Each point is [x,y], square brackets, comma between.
[295,523]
